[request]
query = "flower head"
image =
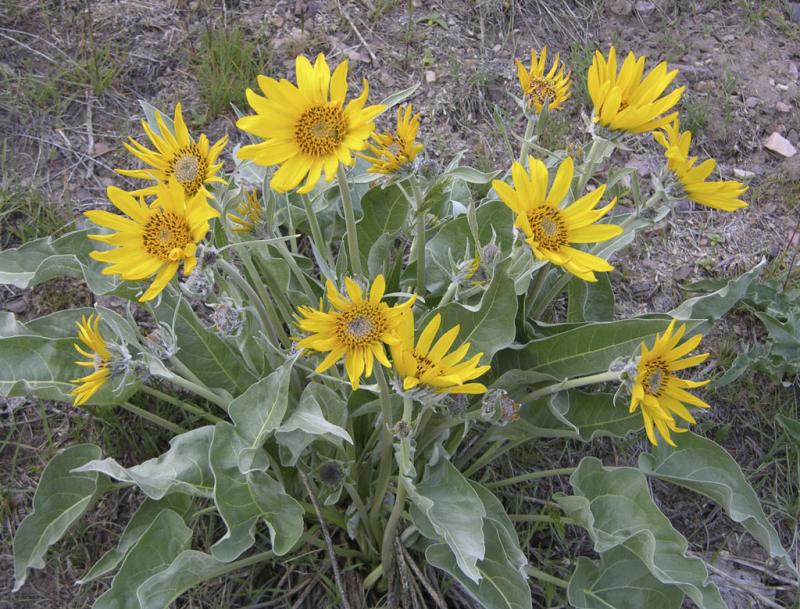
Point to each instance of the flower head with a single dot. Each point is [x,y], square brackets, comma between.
[152,239]
[355,328]
[550,228]
[307,127]
[624,100]
[177,155]
[393,150]
[553,88]
[429,365]
[249,213]
[97,358]
[722,195]
[659,393]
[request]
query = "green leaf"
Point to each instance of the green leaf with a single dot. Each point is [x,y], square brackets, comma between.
[134,530]
[60,499]
[385,211]
[307,422]
[493,217]
[587,349]
[790,426]
[615,507]
[259,411]
[619,581]
[400,96]
[471,175]
[445,507]
[216,361]
[150,113]
[188,569]
[184,468]
[590,301]
[489,326]
[244,499]
[163,540]
[500,585]
[711,307]
[705,467]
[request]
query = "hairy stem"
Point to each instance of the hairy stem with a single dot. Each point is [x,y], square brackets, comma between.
[350,222]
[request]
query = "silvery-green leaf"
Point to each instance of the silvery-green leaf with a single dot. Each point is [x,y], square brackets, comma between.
[184,468]
[60,499]
[471,175]
[163,540]
[489,325]
[150,113]
[615,507]
[590,301]
[790,426]
[189,569]
[260,410]
[705,467]
[446,508]
[400,96]
[385,211]
[497,518]
[619,581]
[307,421]
[245,499]
[134,530]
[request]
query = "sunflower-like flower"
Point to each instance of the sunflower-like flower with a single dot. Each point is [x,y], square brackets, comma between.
[624,100]
[307,128]
[659,393]
[553,88]
[153,239]
[192,164]
[549,228]
[355,328]
[430,365]
[249,213]
[722,195]
[393,150]
[98,357]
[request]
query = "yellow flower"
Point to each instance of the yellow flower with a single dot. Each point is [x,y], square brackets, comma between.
[192,164]
[153,239]
[719,195]
[393,150]
[625,101]
[549,228]
[432,366]
[539,88]
[661,394]
[98,357]
[356,328]
[249,213]
[306,130]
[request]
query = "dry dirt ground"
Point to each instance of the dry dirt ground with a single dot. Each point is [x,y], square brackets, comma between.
[71,73]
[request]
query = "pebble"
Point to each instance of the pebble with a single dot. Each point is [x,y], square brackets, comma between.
[645,8]
[743,174]
[781,107]
[794,72]
[752,102]
[430,76]
[782,87]
[780,145]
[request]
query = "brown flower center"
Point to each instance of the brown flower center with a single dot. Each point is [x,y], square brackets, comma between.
[423,364]
[541,90]
[189,167]
[361,326]
[320,130]
[655,377]
[166,235]
[548,227]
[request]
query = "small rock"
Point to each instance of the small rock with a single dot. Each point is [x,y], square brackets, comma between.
[781,107]
[728,38]
[430,76]
[645,8]
[743,174]
[620,7]
[497,47]
[100,148]
[782,87]
[752,102]
[780,145]
[771,82]
[17,305]
[794,72]
[684,272]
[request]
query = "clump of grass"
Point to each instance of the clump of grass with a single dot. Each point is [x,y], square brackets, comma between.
[227,64]
[695,114]
[26,214]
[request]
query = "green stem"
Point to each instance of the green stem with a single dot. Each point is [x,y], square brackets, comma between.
[153,418]
[385,467]
[486,457]
[350,222]
[290,223]
[276,290]
[269,307]
[545,473]
[190,408]
[581,381]
[301,278]
[536,287]
[448,295]
[540,518]
[198,389]
[546,577]
[241,282]
[419,244]
[551,294]
[526,139]
[316,233]
[241,563]
[588,166]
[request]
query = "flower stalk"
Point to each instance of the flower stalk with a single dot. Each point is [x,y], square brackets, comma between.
[350,221]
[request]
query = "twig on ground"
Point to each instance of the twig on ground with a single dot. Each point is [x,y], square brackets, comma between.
[357,33]
[437,598]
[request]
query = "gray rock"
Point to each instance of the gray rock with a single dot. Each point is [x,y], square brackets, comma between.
[752,102]
[780,145]
[645,8]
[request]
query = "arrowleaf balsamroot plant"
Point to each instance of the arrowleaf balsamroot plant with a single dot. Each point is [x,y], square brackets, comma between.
[361,338]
